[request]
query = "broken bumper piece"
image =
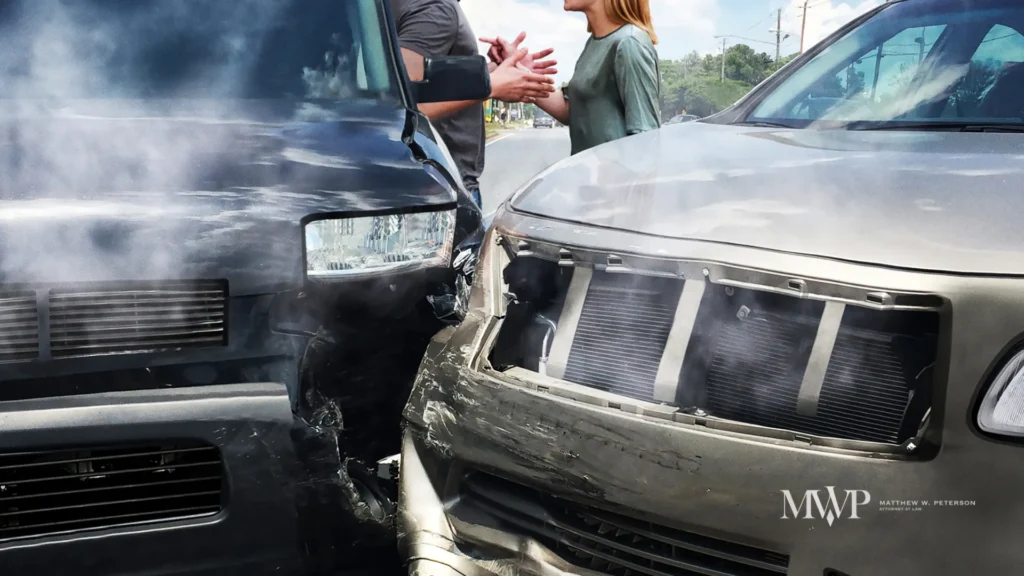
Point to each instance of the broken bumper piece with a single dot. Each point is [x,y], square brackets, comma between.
[513,473]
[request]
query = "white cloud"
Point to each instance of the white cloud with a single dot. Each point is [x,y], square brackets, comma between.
[823,18]
[682,25]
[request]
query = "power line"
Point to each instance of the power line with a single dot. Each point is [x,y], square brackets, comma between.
[759,22]
[747,39]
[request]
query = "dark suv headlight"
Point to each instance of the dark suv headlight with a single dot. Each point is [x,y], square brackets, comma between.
[345,247]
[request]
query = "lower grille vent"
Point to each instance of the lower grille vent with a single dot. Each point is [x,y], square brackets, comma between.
[613,544]
[623,327]
[44,493]
[150,319]
[19,327]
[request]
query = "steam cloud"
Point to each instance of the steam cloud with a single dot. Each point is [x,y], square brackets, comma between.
[115,134]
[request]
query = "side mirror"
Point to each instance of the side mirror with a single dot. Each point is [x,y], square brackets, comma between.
[453,79]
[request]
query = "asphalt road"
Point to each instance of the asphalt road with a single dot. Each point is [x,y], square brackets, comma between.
[513,158]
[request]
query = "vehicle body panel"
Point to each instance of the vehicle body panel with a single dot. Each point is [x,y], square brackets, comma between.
[250,424]
[653,463]
[125,197]
[227,197]
[935,201]
[514,463]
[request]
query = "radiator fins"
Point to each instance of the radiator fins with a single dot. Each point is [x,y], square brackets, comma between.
[622,332]
[748,352]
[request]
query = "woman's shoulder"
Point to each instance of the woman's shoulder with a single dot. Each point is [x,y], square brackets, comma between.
[633,41]
[633,33]
[631,37]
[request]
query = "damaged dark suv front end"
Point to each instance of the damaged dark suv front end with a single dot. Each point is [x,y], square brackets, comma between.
[760,344]
[222,225]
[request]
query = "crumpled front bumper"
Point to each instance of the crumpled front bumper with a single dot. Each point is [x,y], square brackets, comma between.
[927,516]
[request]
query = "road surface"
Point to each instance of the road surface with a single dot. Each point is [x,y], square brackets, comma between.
[513,158]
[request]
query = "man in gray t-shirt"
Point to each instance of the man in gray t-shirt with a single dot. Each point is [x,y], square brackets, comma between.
[431,28]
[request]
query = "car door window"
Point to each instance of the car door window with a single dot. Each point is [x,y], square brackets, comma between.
[911,61]
[997,56]
[875,77]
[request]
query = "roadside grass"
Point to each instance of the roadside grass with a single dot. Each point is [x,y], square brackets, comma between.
[494,129]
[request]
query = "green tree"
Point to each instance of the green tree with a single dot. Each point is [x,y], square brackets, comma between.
[744,64]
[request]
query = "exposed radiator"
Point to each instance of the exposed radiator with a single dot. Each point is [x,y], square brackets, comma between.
[756,370]
[160,318]
[754,365]
[613,544]
[51,492]
[19,326]
[747,357]
[621,335]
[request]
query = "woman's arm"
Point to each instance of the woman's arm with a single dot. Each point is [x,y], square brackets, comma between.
[556,106]
[636,74]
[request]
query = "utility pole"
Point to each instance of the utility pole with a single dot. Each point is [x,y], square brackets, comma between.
[778,37]
[723,59]
[803,27]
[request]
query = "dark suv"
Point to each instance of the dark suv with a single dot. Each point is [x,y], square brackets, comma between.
[225,240]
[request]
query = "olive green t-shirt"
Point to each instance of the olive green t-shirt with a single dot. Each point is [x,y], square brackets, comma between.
[615,89]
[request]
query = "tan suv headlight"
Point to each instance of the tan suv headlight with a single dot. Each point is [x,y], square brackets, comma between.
[1002,408]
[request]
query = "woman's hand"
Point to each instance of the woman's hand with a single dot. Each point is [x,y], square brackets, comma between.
[533,62]
[511,82]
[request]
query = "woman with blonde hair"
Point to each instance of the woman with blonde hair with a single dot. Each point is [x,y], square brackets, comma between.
[615,88]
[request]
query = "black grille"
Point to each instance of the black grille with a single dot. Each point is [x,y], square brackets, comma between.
[623,327]
[72,490]
[612,544]
[146,319]
[19,326]
[752,350]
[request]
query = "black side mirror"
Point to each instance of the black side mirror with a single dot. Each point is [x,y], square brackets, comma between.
[453,79]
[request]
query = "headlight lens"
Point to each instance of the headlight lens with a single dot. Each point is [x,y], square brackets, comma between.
[373,244]
[1002,409]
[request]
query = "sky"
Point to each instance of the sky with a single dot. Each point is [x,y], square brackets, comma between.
[682,25]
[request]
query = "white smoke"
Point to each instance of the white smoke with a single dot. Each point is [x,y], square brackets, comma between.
[117,118]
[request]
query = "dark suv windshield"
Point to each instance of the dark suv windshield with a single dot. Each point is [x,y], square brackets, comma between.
[942,61]
[194,49]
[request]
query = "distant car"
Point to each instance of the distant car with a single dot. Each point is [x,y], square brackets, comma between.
[543,122]
[681,118]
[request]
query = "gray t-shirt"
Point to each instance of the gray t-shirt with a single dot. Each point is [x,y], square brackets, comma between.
[615,89]
[439,28]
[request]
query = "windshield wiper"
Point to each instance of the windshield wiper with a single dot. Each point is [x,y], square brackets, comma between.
[947,126]
[760,124]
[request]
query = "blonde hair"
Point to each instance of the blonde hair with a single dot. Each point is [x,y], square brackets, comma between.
[635,12]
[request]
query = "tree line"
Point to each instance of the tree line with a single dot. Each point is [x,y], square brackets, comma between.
[694,83]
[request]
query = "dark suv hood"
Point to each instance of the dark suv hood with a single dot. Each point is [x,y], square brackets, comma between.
[99,193]
[918,200]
